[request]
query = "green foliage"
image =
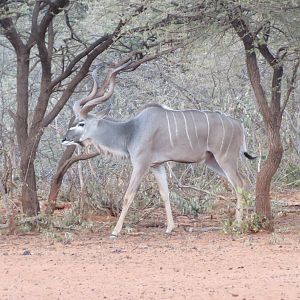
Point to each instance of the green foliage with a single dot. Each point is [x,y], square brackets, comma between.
[70,219]
[252,223]
[292,175]
[276,238]
[51,236]
[190,205]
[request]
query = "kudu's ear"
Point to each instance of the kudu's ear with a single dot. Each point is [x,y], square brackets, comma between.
[104,112]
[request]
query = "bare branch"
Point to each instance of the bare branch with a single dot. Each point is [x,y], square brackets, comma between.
[291,85]
[74,36]
[34,24]
[69,69]
[247,38]
[12,34]
[74,82]
[55,7]
[50,40]
[295,128]
[58,177]
[170,19]
[135,64]
[90,53]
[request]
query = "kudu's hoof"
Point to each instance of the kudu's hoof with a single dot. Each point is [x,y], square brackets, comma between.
[169,232]
[113,237]
[170,229]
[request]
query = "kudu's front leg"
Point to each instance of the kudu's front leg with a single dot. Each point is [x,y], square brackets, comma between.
[135,180]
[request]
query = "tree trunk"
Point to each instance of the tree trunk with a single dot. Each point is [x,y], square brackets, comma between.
[65,163]
[58,177]
[264,177]
[29,199]
[29,128]
[271,113]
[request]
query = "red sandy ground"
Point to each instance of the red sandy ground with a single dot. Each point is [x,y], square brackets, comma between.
[152,265]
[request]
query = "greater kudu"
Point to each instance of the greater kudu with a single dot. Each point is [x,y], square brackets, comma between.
[157,135]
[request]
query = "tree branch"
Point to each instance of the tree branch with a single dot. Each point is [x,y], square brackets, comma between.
[34,25]
[62,169]
[12,34]
[135,64]
[90,53]
[247,38]
[295,128]
[75,81]
[74,36]
[38,36]
[74,159]
[266,53]
[50,40]
[291,85]
[55,7]
[69,69]
[276,94]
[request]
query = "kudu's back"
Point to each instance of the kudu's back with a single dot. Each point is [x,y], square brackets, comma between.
[162,134]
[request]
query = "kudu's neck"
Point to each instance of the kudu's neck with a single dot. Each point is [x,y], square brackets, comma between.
[112,137]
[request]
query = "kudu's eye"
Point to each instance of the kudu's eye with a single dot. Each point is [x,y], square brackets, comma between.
[81,124]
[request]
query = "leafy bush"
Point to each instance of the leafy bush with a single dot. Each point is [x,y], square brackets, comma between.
[292,175]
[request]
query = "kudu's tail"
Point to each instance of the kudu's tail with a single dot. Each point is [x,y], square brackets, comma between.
[244,147]
[249,156]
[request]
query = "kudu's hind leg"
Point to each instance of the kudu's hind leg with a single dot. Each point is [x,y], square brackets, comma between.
[161,177]
[229,167]
[135,180]
[211,163]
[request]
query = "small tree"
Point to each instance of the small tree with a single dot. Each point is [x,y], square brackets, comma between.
[31,118]
[256,39]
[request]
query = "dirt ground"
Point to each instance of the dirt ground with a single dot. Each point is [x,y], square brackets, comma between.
[148,264]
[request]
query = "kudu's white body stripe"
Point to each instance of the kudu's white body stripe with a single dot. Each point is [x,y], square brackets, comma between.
[169,129]
[175,122]
[223,132]
[186,129]
[231,136]
[208,129]
[195,127]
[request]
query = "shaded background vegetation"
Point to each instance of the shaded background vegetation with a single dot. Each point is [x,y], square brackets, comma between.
[206,71]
